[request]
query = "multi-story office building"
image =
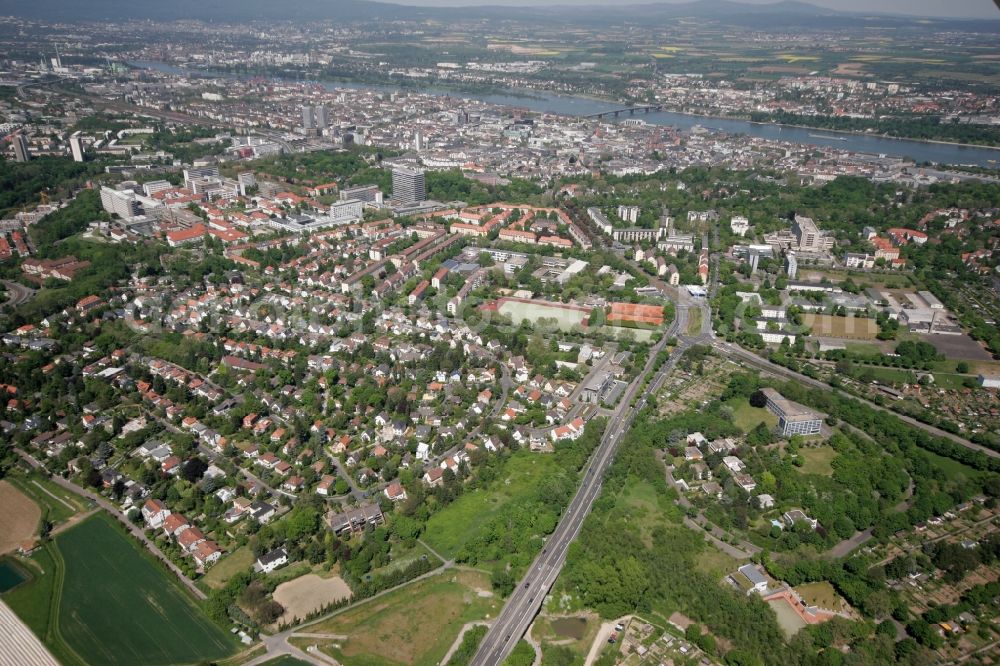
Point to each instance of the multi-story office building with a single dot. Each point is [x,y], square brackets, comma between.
[196,173]
[808,235]
[408,185]
[365,193]
[793,418]
[308,122]
[321,117]
[349,210]
[121,203]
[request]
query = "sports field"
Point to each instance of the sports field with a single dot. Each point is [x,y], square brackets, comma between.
[565,317]
[118,607]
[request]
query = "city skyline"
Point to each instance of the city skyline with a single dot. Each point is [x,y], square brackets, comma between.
[969,9]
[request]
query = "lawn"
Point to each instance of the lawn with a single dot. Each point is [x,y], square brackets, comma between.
[817,460]
[746,417]
[119,607]
[455,525]
[239,560]
[413,625]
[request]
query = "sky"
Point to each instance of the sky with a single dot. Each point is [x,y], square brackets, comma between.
[945,8]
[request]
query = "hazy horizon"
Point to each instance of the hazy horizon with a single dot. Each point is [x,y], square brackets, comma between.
[960,9]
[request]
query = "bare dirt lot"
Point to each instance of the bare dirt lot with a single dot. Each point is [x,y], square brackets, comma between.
[308,593]
[958,346]
[18,519]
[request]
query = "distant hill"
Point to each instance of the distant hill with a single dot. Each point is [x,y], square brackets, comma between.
[787,14]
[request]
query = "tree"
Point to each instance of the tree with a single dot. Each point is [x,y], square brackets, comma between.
[503,581]
[758,399]
[194,469]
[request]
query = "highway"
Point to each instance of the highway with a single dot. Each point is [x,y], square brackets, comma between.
[526,600]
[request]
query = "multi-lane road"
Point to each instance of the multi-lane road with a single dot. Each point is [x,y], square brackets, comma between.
[526,600]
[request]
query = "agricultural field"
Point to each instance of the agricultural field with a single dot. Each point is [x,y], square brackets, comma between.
[848,328]
[413,625]
[97,599]
[18,520]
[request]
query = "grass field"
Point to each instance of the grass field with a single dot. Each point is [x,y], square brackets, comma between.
[694,321]
[953,469]
[817,460]
[746,417]
[849,328]
[413,625]
[239,560]
[452,527]
[639,504]
[118,607]
[899,376]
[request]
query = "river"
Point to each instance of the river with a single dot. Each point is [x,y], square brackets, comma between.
[569,105]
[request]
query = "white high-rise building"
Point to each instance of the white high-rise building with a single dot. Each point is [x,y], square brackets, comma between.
[408,185]
[629,213]
[76,147]
[307,118]
[418,142]
[791,265]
